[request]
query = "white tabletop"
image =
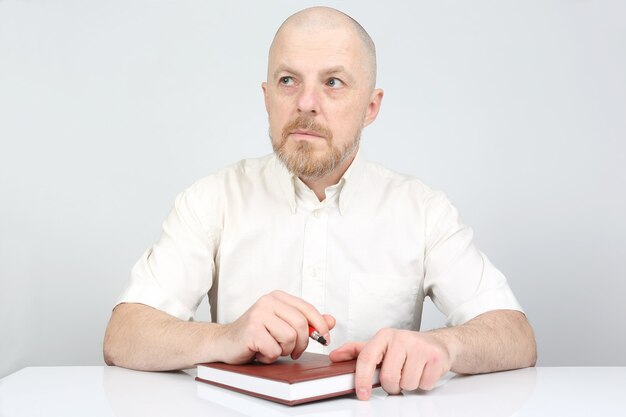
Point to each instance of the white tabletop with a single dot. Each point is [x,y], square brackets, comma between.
[110,391]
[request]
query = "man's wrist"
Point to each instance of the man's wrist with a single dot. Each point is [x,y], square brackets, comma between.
[208,340]
[447,337]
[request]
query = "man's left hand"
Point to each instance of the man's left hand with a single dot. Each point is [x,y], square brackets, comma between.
[410,360]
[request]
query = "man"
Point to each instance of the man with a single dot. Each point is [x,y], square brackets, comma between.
[315,228]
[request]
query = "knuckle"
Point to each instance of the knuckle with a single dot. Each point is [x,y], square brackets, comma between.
[265,359]
[409,385]
[390,389]
[278,350]
[404,335]
[389,378]
[382,332]
[427,385]
[292,335]
[286,349]
[365,357]
[276,294]
[305,306]
[302,323]
[263,301]
[386,333]
[273,354]
[429,379]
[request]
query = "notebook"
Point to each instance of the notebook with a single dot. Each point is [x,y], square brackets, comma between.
[312,377]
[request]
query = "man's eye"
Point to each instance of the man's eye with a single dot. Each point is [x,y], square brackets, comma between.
[334,83]
[286,80]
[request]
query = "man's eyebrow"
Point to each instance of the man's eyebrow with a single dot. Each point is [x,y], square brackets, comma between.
[284,68]
[335,69]
[338,69]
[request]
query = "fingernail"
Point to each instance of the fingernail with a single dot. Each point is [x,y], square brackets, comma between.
[327,338]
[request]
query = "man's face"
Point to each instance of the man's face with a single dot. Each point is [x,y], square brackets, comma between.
[318,97]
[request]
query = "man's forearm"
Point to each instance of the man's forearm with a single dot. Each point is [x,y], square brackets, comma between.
[144,338]
[494,341]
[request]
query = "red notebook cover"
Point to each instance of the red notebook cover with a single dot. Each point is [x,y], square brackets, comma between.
[308,367]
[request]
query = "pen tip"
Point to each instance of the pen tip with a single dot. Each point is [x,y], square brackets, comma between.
[322,340]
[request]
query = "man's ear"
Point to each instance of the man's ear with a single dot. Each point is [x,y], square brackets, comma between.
[374,106]
[264,88]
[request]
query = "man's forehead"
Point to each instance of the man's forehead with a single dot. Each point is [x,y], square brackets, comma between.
[336,47]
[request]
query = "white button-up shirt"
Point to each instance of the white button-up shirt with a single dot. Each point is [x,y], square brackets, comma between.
[368,254]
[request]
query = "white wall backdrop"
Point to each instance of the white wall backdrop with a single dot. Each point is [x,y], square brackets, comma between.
[517,109]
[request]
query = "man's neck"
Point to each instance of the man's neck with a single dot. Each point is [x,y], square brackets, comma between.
[319,185]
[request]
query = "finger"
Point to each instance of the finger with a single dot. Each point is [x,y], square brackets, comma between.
[331,322]
[347,352]
[371,355]
[412,371]
[314,317]
[283,333]
[298,322]
[391,369]
[267,348]
[266,359]
[430,376]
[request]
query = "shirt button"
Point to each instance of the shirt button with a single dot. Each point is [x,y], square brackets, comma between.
[317,213]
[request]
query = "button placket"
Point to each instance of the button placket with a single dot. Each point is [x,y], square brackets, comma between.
[314,259]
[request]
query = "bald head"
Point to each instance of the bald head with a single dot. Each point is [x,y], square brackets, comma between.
[316,19]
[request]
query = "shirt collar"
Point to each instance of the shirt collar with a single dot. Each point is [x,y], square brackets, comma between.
[348,184]
[286,181]
[351,180]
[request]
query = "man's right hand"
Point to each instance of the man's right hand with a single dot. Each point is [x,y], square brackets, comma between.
[276,325]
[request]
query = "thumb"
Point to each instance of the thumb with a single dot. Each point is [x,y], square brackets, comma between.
[347,352]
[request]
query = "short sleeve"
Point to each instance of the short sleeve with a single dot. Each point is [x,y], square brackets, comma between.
[178,270]
[459,278]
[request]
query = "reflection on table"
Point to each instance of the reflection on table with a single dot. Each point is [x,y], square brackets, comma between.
[111,391]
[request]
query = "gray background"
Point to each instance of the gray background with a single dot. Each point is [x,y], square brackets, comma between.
[517,109]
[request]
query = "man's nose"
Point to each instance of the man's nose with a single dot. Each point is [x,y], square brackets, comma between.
[308,99]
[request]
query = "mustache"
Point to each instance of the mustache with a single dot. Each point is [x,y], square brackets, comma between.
[307,123]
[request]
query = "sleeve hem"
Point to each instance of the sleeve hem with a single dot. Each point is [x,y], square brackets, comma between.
[156,298]
[501,299]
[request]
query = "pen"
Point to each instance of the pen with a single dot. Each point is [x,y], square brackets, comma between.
[313,334]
